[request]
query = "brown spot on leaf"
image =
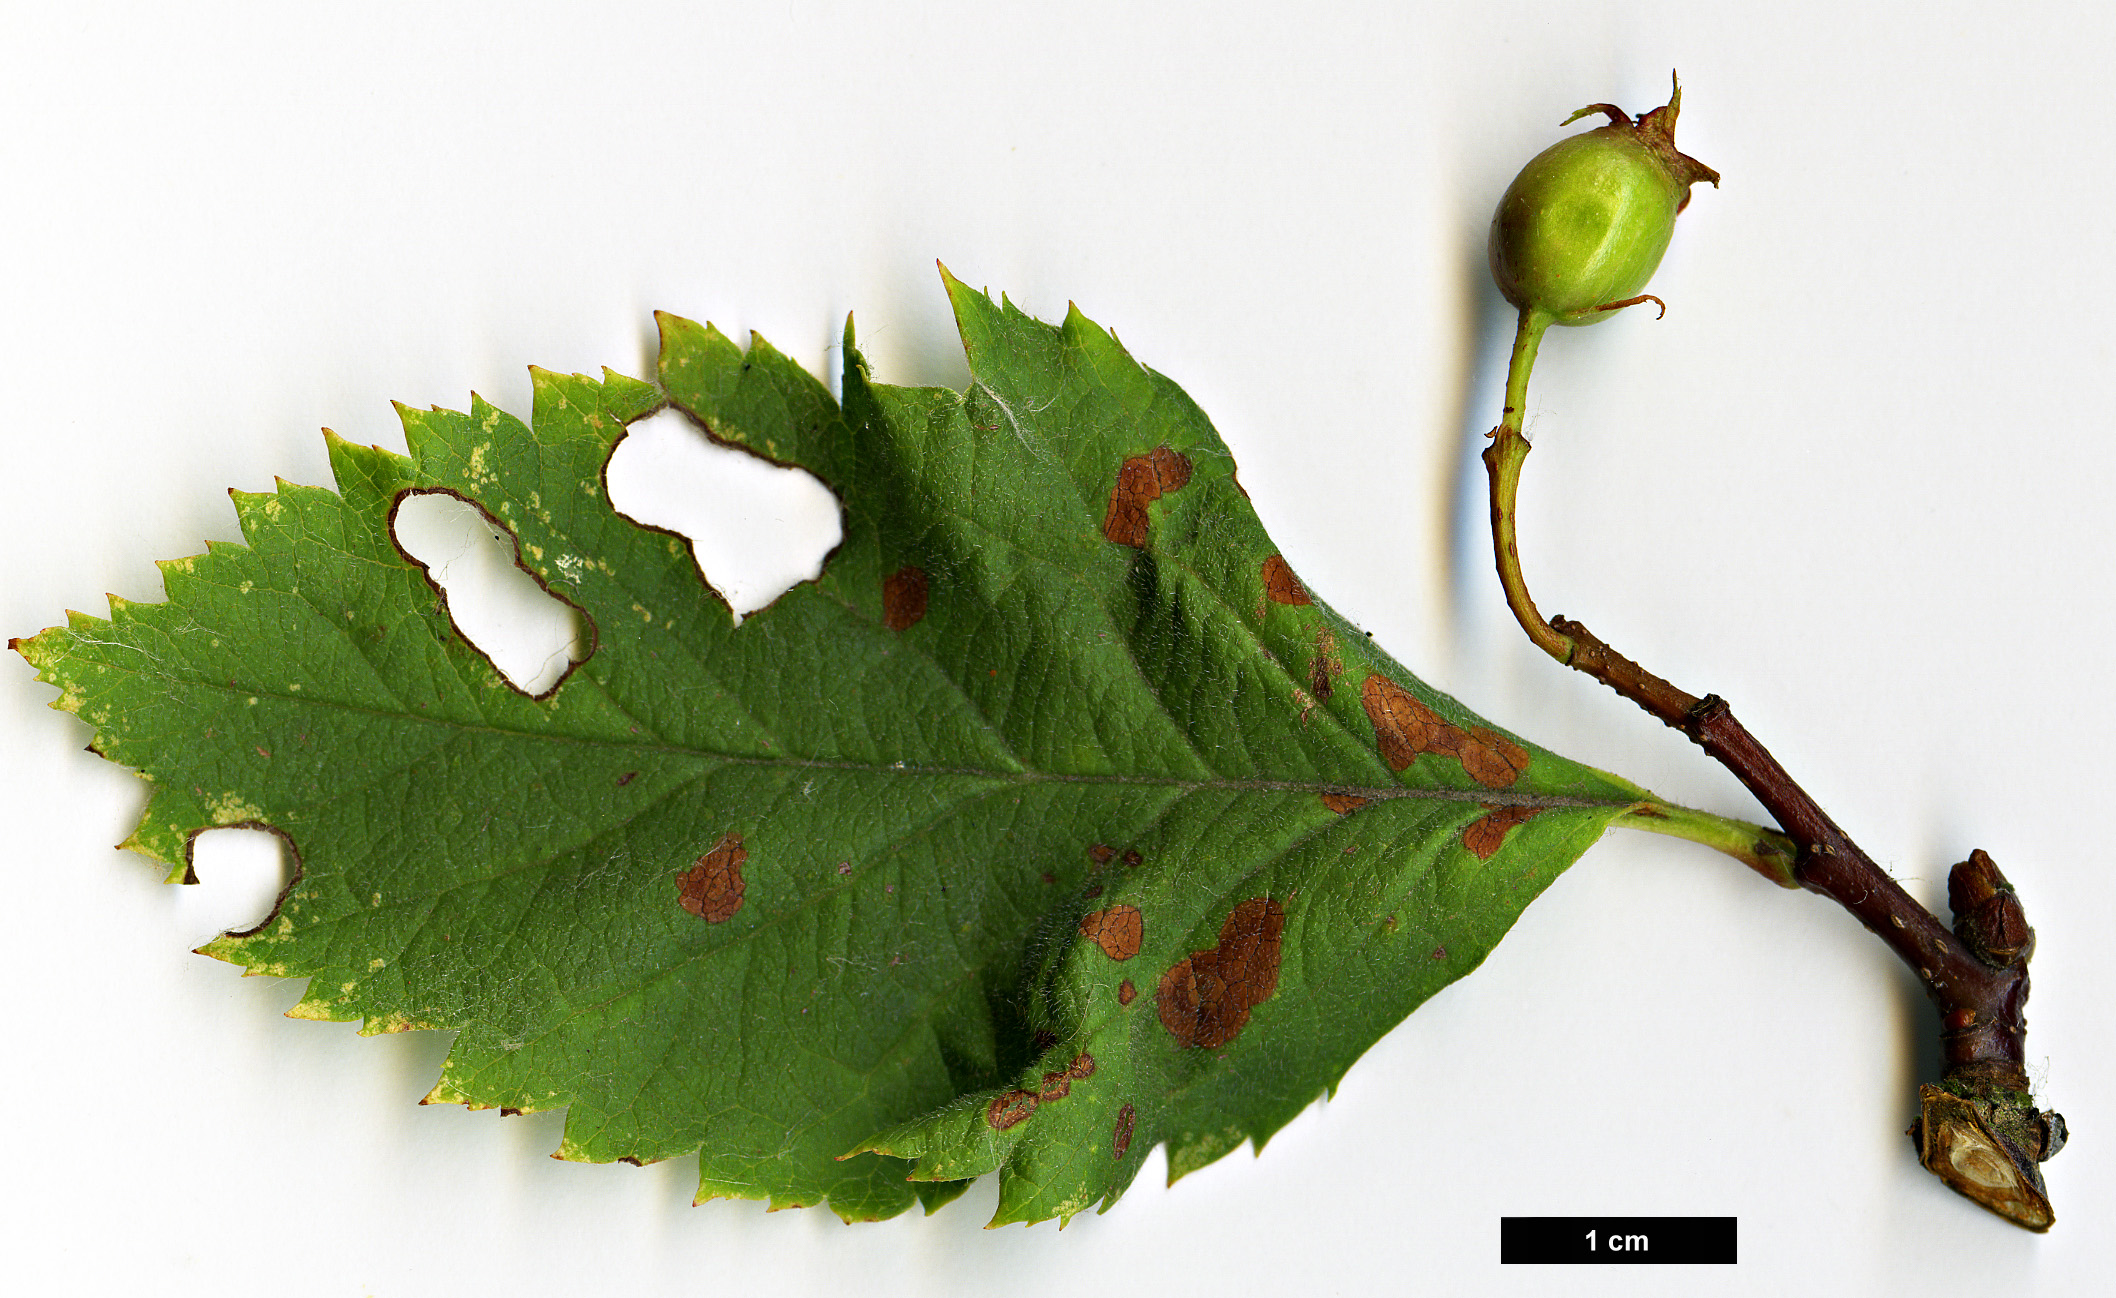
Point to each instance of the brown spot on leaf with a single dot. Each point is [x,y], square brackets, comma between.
[1126,520]
[1126,1116]
[1280,583]
[1171,469]
[1344,804]
[1118,930]
[1101,854]
[1132,857]
[1205,999]
[627,778]
[1126,993]
[1491,759]
[1485,836]
[1009,1108]
[1015,1106]
[903,597]
[712,889]
[1141,480]
[1326,666]
[1404,728]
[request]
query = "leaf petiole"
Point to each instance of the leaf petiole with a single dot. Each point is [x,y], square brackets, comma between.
[1766,851]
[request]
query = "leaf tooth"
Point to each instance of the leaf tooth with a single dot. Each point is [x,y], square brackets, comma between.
[681,343]
[425,432]
[487,417]
[974,312]
[445,1092]
[254,511]
[367,476]
[566,406]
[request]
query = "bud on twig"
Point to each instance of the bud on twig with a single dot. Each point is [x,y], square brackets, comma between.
[1987,914]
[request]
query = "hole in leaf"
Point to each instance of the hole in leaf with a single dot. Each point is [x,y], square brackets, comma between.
[532,637]
[241,872]
[756,529]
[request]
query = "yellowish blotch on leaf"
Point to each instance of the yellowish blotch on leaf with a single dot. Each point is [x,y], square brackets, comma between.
[231,809]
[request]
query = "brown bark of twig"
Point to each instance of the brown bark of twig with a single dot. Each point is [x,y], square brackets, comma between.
[1985,999]
[1979,1130]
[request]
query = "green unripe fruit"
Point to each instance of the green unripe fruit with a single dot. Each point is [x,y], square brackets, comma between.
[1583,227]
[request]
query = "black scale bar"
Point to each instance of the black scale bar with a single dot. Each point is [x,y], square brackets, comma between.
[1616,1241]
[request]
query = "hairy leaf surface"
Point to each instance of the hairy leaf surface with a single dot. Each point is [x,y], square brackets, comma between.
[1055,821]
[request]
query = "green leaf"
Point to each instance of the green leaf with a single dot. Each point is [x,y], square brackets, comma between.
[1053,822]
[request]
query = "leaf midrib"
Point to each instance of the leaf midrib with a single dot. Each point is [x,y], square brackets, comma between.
[1496,797]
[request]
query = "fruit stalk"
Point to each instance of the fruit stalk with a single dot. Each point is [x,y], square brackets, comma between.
[1574,240]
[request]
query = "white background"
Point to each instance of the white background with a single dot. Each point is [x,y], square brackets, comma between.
[1857,481]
